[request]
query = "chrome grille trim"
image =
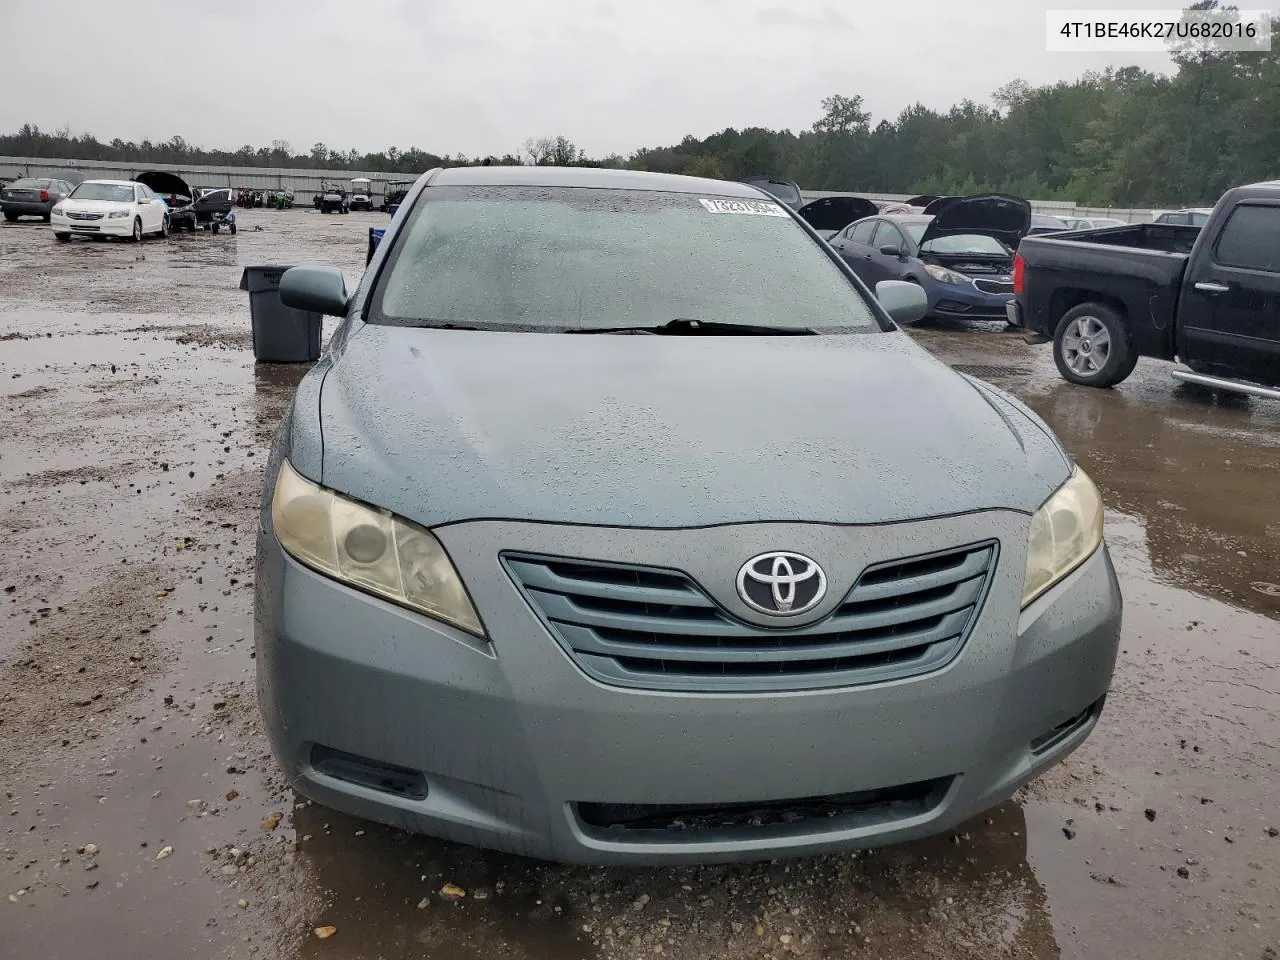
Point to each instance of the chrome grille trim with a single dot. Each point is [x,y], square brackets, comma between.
[657,629]
[993,286]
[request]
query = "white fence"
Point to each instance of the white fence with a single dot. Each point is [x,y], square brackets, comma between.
[304,182]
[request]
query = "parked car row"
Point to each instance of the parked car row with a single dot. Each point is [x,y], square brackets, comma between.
[152,203]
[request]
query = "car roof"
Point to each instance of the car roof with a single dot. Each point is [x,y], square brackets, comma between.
[590,177]
[113,183]
[904,218]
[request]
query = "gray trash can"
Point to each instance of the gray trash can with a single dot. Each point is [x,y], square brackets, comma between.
[280,334]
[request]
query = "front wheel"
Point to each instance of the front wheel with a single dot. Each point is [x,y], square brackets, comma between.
[62,237]
[137,230]
[232,228]
[1091,346]
[164,228]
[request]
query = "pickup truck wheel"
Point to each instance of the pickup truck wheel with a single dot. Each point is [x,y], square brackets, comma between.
[1091,346]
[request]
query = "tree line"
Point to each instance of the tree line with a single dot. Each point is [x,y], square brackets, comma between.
[1123,137]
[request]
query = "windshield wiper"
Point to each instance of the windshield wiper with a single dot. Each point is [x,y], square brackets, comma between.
[687,327]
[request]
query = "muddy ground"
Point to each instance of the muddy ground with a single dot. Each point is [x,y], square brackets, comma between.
[143,815]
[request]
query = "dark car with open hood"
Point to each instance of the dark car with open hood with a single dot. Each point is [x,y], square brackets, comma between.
[959,250]
[177,194]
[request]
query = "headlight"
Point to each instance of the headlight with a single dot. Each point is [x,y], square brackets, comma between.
[57,209]
[1064,533]
[943,275]
[369,549]
[118,214]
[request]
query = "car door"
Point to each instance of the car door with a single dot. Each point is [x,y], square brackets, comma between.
[853,243]
[153,219]
[142,207]
[882,266]
[1231,314]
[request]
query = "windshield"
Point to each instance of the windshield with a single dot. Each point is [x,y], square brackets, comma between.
[554,259]
[103,191]
[965,243]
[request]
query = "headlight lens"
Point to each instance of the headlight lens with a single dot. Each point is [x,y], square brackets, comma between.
[943,275]
[118,214]
[1064,532]
[369,549]
[57,209]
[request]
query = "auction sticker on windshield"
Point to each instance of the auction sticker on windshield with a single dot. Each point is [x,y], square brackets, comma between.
[759,208]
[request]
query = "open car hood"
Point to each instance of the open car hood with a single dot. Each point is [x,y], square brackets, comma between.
[921,201]
[836,213]
[1003,217]
[166,185]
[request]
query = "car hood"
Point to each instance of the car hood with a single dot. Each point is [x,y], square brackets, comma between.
[836,213]
[990,214]
[442,426]
[165,184]
[95,206]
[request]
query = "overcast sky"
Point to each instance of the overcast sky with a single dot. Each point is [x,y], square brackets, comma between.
[481,77]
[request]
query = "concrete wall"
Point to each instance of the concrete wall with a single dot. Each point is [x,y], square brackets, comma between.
[302,182]
[306,182]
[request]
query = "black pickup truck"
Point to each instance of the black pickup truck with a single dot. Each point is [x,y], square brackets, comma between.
[1207,296]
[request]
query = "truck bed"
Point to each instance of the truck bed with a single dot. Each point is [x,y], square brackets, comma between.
[1161,237]
[1137,268]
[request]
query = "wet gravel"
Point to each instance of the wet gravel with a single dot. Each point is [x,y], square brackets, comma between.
[143,814]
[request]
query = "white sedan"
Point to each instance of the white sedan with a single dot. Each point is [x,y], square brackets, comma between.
[110,208]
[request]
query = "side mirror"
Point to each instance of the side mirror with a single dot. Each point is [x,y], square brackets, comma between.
[905,302]
[320,290]
[889,250]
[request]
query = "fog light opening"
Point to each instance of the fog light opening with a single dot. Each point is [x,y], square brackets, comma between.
[363,772]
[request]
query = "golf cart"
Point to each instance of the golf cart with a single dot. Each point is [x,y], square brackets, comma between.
[177,195]
[361,193]
[395,193]
[333,199]
[213,204]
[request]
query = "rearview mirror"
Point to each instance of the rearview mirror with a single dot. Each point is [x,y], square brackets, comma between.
[889,250]
[905,302]
[320,290]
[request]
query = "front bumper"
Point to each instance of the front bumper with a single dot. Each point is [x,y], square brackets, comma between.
[508,740]
[118,227]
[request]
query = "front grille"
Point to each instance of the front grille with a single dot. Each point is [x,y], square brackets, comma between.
[84,216]
[76,226]
[656,629]
[994,286]
[658,822]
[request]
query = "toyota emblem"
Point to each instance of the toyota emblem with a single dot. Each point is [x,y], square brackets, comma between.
[781,584]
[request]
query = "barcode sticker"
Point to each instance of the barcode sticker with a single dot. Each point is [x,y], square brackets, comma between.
[756,208]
